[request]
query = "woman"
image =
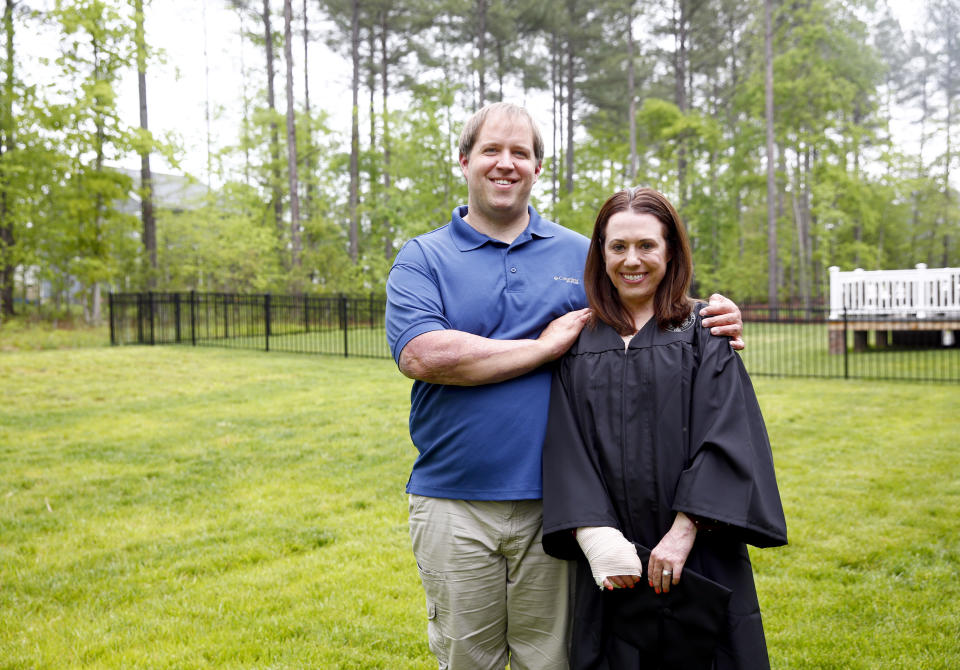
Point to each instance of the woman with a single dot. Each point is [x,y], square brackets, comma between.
[655,439]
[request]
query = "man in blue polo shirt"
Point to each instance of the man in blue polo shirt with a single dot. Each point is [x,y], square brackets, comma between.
[474,311]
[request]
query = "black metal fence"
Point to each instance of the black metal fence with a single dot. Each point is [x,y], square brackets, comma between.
[783,341]
[807,342]
[338,325]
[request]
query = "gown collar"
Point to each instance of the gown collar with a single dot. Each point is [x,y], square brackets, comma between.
[604,338]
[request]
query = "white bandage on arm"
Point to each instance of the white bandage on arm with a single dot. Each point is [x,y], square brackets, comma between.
[608,552]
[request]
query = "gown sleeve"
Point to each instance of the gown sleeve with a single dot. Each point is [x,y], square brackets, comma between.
[574,492]
[730,477]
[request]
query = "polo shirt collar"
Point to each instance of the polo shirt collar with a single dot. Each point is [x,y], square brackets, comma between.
[467,238]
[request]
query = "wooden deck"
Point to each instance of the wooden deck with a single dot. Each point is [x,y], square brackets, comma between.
[884,329]
[894,304]
[881,323]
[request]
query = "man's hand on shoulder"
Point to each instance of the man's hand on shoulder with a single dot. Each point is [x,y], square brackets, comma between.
[562,332]
[725,319]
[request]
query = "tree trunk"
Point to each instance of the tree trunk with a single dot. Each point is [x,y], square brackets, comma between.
[146,178]
[355,133]
[7,237]
[857,219]
[501,71]
[924,116]
[245,133]
[772,266]
[556,106]
[96,313]
[571,91]
[632,96]
[481,52]
[680,92]
[384,86]
[97,250]
[308,159]
[950,93]
[372,89]
[803,236]
[714,222]
[734,78]
[812,265]
[206,95]
[292,145]
[377,213]
[448,114]
[276,202]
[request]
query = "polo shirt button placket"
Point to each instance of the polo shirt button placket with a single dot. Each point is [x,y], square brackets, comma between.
[512,279]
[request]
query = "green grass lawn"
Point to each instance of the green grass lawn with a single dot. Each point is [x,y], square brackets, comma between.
[177,507]
[23,334]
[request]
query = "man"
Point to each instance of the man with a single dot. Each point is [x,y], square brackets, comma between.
[474,311]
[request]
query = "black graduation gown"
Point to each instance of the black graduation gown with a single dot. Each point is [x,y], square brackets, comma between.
[670,425]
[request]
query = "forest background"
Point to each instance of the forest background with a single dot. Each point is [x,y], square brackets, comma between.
[769,123]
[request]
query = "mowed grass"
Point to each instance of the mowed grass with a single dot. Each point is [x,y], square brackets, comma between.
[869,475]
[184,508]
[24,334]
[174,507]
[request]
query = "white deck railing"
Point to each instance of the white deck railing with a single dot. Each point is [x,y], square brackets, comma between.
[923,293]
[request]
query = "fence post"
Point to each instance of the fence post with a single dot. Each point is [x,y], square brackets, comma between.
[266,317]
[846,361]
[193,318]
[343,322]
[836,292]
[140,339]
[923,291]
[113,339]
[176,315]
[150,304]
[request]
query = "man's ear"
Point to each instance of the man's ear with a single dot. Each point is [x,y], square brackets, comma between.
[537,170]
[463,164]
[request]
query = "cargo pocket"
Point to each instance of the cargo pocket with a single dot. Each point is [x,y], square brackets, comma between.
[435,588]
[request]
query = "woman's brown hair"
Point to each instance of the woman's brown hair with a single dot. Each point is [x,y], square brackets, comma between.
[671,304]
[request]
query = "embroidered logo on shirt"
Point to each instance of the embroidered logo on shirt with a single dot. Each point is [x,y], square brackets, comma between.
[569,280]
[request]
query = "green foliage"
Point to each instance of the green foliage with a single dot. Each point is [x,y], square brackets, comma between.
[428,182]
[209,249]
[68,223]
[845,194]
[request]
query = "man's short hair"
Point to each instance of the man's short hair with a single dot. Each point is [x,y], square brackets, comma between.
[471,128]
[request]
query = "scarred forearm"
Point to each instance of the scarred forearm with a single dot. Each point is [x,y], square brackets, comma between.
[462,359]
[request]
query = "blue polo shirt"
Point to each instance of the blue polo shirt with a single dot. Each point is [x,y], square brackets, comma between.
[482,442]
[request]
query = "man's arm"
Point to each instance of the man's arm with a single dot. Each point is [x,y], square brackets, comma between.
[726,320]
[463,359]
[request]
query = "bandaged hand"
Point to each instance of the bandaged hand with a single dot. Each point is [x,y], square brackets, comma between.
[609,553]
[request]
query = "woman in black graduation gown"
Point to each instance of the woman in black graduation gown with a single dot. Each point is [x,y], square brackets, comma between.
[656,462]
